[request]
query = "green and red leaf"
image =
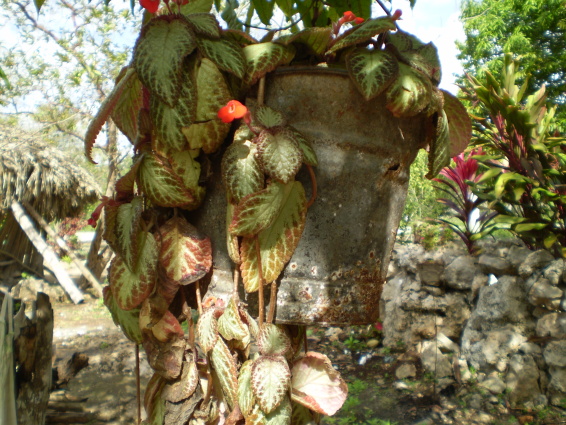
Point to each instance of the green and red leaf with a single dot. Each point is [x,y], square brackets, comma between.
[126,111]
[315,38]
[279,154]
[262,58]
[439,151]
[459,124]
[270,378]
[226,370]
[246,399]
[185,386]
[241,172]
[127,229]
[163,44]
[207,330]
[410,93]
[185,254]
[363,32]
[372,70]
[230,324]
[273,340]
[127,320]
[317,385]
[268,117]
[226,54]
[204,24]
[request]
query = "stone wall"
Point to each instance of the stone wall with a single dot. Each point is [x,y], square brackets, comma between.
[500,314]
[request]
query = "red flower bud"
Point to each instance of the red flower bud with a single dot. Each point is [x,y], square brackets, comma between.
[150,5]
[349,16]
[358,20]
[232,111]
[397,14]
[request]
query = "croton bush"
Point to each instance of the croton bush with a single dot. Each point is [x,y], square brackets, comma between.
[176,102]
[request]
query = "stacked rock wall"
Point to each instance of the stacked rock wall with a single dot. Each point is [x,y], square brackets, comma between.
[501,313]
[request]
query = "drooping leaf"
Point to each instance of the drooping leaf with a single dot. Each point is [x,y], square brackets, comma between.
[309,155]
[372,70]
[241,172]
[268,117]
[257,211]
[270,381]
[230,324]
[185,254]
[439,152]
[204,24]
[246,399]
[273,340]
[127,320]
[315,38]
[278,241]
[104,112]
[208,132]
[226,370]
[125,113]
[459,124]
[226,54]
[159,52]
[131,287]
[409,93]
[127,229]
[364,32]
[262,58]
[207,330]
[317,385]
[279,154]
[185,386]
[169,122]
[163,187]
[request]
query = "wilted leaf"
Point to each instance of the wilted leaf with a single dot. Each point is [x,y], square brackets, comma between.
[278,241]
[410,92]
[459,124]
[226,370]
[166,329]
[185,386]
[265,57]
[159,53]
[317,385]
[164,358]
[279,154]
[372,70]
[207,330]
[270,382]
[273,340]
[185,254]
[127,320]
[364,32]
[230,324]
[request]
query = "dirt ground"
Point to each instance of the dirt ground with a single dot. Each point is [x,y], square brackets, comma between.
[376,396]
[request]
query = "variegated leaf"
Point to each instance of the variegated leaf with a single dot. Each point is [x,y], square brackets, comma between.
[256,417]
[227,372]
[403,41]
[315,38]
[196,6]
[281,415]
[372,70]
[459,124]
[271,378]
[246,399]
[207,330]
[128,217]
[163,44]
[262,58]
[309,155]
[439,152]
[163,187]
[277,242]
[185,386]
[279,154]
[226,54]
[125,113]
[364,32]
[169,122]
[317,385]
[126,184]
[230,324]
[241,172]
[185,254]
[153,402]
[409,94]
[232,243]
[268,117]
[129,287]
[127,320]
[251,322]
[207,135]
[273,340]
[429,62]
[166,329]
[204,24]
[257,211]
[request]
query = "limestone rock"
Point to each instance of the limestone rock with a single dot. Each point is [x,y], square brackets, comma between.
[431,273]
[517,255]
[553,325]
[558,380]
[459,274]
[406,371]
[493,384]
[543,294]
[490,264]
[523,380]
[434,361]
[555,353]
[554,272]
[535,260]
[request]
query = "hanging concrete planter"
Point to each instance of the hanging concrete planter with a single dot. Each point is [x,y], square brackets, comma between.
[338,270]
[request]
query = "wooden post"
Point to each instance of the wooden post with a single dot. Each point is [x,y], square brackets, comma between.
[49,255]
[63,245]
[7,377]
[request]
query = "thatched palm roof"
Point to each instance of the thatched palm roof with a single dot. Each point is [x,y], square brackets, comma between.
[43,176]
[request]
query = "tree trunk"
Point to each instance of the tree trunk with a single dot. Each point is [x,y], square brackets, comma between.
[49,255]
[33,353]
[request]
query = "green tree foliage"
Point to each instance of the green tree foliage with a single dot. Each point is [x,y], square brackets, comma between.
[532,29]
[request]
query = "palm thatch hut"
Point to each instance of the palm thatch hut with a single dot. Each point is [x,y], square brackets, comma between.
[42,176]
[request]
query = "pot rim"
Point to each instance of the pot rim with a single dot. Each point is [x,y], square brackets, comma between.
[305,69]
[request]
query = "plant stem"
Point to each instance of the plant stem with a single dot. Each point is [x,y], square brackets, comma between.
[261,91]
[380,3]
[261,306]
[272,302]
[138,384]
[199,298]
[236,281]
[314,187]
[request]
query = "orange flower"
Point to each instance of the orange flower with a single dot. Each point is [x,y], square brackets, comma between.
[358,20]
[349,16]
[232,111]
[150,5]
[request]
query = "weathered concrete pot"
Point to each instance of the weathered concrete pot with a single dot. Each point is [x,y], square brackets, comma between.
[339,267]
